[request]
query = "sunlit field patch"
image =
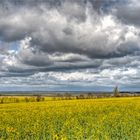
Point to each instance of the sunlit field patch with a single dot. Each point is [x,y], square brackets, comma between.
[87,119]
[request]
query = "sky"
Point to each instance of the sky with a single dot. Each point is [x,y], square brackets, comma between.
[68,45]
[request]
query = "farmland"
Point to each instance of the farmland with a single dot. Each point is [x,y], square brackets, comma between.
[83,119]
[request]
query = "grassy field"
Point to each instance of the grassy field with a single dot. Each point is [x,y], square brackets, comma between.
[88,119]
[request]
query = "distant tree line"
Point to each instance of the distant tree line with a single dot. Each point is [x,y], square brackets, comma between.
[65,96]
[17,99]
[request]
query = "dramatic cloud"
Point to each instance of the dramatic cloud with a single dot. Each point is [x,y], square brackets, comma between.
[69,42]
[129,13]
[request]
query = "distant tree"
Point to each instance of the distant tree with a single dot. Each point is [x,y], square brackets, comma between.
[68,96]
[26,99]
[59,96]
[81,96]
[1,100]
[77,97]
[38,98]
[90,95]
[116,92]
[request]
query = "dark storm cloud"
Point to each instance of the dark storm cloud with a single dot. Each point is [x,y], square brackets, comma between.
[7,3]
[58,67]
[129,12]
[128,48]
[105,5]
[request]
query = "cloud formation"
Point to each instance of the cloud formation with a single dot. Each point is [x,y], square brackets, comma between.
[68,41]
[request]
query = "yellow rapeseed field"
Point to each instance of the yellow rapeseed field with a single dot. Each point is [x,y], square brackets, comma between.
[87,119]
